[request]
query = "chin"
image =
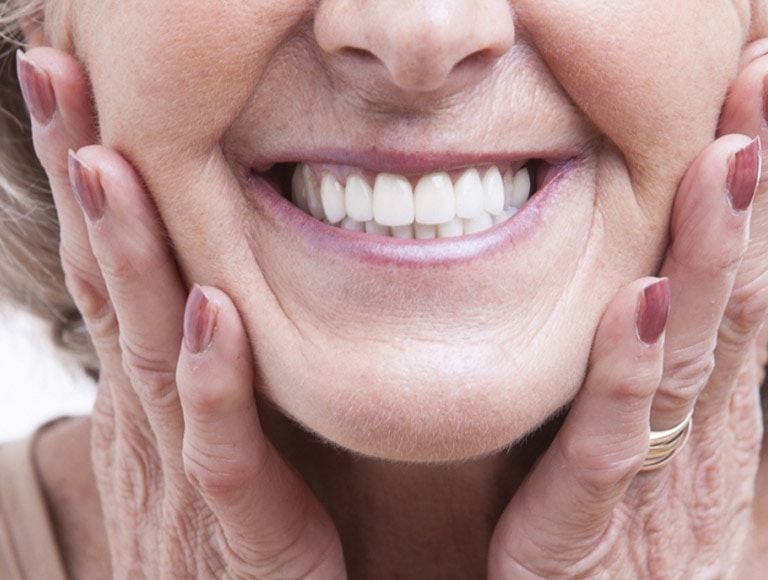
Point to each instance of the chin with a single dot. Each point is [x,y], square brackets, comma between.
[427,350]
[425,403]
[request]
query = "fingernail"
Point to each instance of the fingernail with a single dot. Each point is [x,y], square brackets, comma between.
[199,321]
[743,175]
[36,89]
[653,311]
[86,186]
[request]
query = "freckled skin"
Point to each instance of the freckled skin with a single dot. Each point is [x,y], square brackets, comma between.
[442,365]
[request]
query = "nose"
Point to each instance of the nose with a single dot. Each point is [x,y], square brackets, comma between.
[417,45]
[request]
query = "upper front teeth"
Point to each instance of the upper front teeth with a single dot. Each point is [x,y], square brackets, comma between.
[392,200]
[436,207]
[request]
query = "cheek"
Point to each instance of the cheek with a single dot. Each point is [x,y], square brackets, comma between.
[159,67]
[651,75]
[169,78]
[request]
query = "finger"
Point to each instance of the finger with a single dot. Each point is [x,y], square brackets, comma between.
[745,111]
[57,96]
[143,283]
[273,525]
[56,92]
[564,507]
[709,230]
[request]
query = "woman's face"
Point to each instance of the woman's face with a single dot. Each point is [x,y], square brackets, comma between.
[414,350]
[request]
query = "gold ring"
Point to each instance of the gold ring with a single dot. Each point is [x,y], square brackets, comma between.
[664,445]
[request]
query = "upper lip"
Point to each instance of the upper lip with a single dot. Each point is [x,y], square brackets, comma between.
[406,162]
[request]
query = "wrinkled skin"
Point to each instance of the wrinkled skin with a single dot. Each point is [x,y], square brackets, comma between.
[189,482]
[336,351]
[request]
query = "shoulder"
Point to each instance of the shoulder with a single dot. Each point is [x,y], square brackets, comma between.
[27,544]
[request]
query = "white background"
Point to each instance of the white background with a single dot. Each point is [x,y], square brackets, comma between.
[35,384]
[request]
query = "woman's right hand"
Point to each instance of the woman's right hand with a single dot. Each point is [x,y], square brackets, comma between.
[189,485]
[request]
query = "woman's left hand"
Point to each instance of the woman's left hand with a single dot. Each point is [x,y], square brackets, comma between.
[584,510]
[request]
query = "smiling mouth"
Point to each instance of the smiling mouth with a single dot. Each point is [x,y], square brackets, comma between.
[442,204]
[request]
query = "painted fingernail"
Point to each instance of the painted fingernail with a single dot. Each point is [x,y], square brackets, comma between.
[743,175]
[36,88]
[653,311]
[199,321]
[87,187]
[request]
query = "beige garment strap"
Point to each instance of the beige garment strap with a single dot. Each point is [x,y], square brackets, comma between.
[28,548]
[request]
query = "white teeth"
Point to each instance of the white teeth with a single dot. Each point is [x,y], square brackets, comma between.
[377,229]
[359,199]
[469,194]
[451,229]
[521,189]
[393,200]
[493,192]
[435,208]
[403,232]
[424,232]
[349,224]
[332,196]
[299,187]
[434,199]
[508,213]
[478,224]
[311,191]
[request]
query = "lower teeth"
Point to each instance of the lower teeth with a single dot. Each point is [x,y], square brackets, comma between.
[391,205]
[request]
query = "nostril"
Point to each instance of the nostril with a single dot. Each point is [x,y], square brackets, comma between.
[419,44]
[359,54]
[479,58]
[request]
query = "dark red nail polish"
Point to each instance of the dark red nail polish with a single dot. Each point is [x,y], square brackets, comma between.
[86,186]
[653,311]
[743,175]
[36,89]
[199,321]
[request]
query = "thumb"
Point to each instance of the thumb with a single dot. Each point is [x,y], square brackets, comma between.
[272,524]
[556,520]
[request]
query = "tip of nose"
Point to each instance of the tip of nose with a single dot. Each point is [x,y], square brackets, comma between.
[424,76]
[419,79]
[437,47]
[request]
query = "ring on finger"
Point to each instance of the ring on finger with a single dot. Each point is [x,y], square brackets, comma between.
[664,445]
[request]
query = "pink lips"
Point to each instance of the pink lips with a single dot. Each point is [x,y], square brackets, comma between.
[388,251]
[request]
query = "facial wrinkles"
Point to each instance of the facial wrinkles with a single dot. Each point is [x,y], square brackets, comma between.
[644,72]
[185,58]
[184,66]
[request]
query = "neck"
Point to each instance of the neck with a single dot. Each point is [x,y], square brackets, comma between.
[421,520]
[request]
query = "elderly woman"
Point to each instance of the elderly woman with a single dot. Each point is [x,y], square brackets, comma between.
[391,289]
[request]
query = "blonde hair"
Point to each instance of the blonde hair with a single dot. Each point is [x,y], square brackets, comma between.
[31,276]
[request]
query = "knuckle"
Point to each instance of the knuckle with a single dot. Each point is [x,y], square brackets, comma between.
[288,553]
[715,263]
[727,259]
[95,308]
[153,380]
[686,372]
[139,474]
[204,398]
[121,265]
[300,561]
[746,422]
[746,311]
[599,468]
[636,389]
[81,282]
[215,473]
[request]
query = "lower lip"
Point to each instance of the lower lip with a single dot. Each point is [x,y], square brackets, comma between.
[389,251]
